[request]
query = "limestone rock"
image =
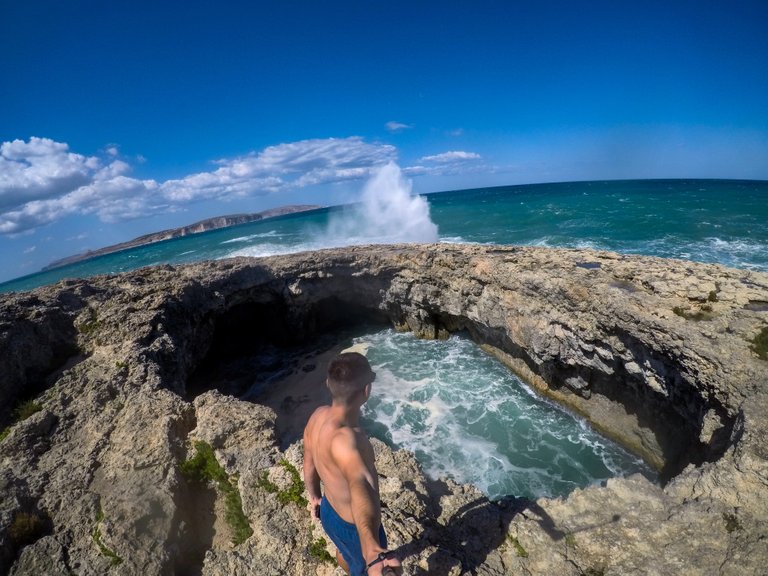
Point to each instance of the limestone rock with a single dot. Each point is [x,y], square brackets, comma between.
[131,370]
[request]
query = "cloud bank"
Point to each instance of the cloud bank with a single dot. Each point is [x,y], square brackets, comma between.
[42,180]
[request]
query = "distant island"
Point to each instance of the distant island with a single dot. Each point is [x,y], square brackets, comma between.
[196,228]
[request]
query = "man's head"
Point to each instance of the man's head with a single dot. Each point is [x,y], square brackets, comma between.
[348,376]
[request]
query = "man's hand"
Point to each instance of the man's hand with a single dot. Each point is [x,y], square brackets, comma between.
[390,566]
[314,506]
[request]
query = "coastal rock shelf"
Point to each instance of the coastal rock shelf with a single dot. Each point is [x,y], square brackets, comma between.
[108,385]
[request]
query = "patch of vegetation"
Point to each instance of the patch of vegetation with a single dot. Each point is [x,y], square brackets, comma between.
[265,483]
[96,535]
[317,550]
[21,413]
[595,572]
[294,493]
[90,325]
[760,343]
[121,365]
[570,540]
[712,296]
[704,313]
[203,468]
[26,528]
[26,409]
[114,559]
[731,522]
[521,552]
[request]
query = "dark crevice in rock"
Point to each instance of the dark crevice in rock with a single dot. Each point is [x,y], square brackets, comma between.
[195,506]
[195,516]
[29,524]
[756,306]
[34,357]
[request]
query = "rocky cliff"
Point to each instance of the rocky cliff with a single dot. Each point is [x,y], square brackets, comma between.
[127,453]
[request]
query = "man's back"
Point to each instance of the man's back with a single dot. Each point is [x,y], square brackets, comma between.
[338,452]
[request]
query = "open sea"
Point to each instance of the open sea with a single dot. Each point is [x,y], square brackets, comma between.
[460,411]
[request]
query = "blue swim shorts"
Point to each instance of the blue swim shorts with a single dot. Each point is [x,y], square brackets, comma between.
[345,538]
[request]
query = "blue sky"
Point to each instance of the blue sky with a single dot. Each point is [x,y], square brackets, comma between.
[124,117]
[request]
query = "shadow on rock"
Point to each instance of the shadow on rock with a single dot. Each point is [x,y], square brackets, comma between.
[462,538]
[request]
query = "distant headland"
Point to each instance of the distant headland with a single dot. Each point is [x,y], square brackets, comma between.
[196,228]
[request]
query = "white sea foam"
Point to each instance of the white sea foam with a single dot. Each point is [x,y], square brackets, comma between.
[465,416]
[739,253]
[270,249]
[270,234]
[455,240]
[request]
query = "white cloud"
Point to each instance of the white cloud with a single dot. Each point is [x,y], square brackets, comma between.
[42,181]
[283,167]
[452,156]
[456,132]
[38,169]
[393,126]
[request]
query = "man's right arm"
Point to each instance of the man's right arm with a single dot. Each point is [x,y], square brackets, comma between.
[365,505]
[311,477]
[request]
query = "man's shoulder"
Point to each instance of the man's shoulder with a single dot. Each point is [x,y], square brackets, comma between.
[345,439]
[319,411]
[316,419]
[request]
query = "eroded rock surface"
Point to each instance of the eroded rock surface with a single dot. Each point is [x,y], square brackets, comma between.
[656,353]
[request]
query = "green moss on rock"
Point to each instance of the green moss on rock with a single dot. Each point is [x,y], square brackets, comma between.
[760,343]
[203,468]
[294,493]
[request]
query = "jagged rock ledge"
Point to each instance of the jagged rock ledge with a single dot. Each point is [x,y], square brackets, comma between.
[659,354]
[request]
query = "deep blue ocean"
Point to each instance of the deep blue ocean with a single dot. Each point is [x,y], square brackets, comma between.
[460,411]
[723,221]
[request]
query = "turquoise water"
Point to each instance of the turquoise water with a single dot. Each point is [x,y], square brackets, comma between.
[459,410]
[723,221]
[465,415]
[720,221]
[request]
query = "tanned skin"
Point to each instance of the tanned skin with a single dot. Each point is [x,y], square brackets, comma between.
[338,453]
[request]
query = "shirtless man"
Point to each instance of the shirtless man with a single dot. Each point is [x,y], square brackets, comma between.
[338,453]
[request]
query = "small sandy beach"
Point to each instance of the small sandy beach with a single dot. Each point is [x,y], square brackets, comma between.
[297,395]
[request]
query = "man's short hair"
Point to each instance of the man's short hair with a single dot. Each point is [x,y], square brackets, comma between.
[348,374]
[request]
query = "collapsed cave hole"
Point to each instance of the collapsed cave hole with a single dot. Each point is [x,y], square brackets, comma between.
[258,343]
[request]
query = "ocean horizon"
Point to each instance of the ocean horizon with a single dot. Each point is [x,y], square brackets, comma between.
[714,221]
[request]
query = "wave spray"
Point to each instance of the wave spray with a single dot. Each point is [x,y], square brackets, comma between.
[387,213]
